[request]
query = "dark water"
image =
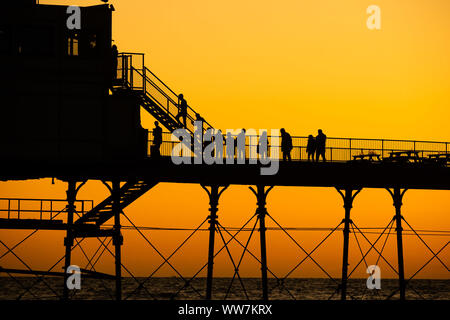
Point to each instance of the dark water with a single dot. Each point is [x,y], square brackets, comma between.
[173,288]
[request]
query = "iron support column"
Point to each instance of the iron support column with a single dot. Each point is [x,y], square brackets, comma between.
[348,198]
[68,241]
[397,195]
[214,196]
[261,211]
[117,237]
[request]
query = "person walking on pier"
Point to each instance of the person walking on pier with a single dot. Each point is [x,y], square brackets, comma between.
[286,145]
[311,147]
[199,118]
[263,145]
[218,145]
[320,145]
[182,110]
[240,146]
[230,146]
[157,139]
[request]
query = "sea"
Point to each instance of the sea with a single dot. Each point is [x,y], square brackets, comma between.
[50,288]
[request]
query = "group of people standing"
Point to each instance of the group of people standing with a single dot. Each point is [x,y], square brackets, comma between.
[316,146]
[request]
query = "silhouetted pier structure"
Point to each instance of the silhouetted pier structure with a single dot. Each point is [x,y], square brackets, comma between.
[114,149]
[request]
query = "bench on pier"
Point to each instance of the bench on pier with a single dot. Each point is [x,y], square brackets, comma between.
[371,156]
[442,158]
[404,156]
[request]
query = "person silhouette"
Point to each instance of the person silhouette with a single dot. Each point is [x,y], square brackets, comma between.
[200,121]
[320,145]
[157,139]
[241,146]
[218,144]
[209,131]
[286,145]
[229,142]
[198,118]
[263,145]
[311,147]
[182,110]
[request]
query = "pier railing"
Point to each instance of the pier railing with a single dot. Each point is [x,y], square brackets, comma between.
[39,209]
[337,149]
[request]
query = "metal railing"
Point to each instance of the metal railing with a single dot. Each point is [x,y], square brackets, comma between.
[41,209]
[337,149]
[132,72]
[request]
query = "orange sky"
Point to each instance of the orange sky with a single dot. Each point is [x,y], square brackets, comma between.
[299,65]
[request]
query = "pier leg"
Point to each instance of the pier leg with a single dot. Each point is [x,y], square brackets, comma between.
[261,196]
[68,240]
[348,198]
[117,238]
[397,195]
[214,196]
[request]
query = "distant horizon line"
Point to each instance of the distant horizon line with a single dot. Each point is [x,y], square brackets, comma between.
[256,277]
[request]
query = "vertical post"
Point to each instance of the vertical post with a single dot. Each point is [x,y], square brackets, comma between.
[124,69]
[144,80]
[350,143]
[347,206]
[397,196]
[214,196]
[117,237]
[262,234]
[261,211]
[348,198]
[131,71]
[144,84]
[213,203]
[68,240]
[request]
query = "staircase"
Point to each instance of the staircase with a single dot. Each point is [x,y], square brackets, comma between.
[153,94]
[159,101]
[102,212]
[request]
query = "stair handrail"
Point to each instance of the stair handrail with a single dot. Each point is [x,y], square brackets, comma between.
[170,99]
[159,85]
